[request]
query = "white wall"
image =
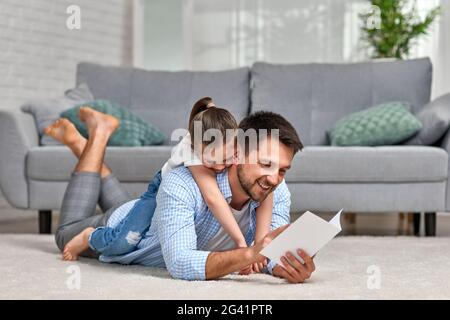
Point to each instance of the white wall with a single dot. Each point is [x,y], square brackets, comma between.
[39,54]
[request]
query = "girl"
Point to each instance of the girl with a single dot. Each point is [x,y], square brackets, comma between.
[204,116]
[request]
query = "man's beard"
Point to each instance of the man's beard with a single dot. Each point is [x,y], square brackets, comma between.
[247,186]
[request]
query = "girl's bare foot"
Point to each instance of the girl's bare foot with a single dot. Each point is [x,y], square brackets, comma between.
[98,121]
[65,132]
[77,245]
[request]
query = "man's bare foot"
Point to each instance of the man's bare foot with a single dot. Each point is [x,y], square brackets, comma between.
[98,121]
[64,131]
[77,245]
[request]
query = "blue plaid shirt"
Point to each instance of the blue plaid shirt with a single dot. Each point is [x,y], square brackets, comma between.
[183,225]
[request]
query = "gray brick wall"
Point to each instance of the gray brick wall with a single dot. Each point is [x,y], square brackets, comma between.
[38,53]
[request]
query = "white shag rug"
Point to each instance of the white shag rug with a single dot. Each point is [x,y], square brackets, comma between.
[347,268]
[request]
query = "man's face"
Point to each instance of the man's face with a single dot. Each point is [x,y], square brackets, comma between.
[259,178]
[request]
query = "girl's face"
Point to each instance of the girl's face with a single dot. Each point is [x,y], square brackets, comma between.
[218,158]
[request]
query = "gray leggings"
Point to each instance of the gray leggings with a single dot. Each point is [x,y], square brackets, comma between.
[84,191]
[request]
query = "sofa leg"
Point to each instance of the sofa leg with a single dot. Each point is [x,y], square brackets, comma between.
[430,224]
[45,221]
[416,223]
[350,217]
[401,222]
[409,223]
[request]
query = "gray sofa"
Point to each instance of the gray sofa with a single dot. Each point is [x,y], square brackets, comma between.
[311,96]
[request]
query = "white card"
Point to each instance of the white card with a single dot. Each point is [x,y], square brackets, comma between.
[309,233]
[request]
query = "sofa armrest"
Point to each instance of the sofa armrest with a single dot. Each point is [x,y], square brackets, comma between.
[445,144]
[18,134]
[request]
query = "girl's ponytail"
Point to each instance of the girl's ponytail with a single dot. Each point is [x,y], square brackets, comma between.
[200,106]
[210,117]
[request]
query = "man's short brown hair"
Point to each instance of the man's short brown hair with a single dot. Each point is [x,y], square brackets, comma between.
[270,120]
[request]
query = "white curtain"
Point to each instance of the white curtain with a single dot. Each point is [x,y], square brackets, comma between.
[223,34]
[233,33]
[436,45]
[440,52]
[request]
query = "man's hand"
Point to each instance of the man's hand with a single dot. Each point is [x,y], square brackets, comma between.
[259,245]
[296,271]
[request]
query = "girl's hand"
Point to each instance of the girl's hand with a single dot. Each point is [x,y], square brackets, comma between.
[246,271]
[259,266]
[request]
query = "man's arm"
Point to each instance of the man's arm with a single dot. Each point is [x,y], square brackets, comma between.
[220,264]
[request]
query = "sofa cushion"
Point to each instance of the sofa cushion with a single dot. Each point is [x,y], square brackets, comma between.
[313,164]
[386,124]
[132,132]
[129,164]
[435,117]
[45,112]
[166,98]
[314,96]
[369,164]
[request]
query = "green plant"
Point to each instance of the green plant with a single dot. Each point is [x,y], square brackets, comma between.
[396,28]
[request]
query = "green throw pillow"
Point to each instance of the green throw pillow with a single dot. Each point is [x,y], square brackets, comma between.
[385,124]
[132,132]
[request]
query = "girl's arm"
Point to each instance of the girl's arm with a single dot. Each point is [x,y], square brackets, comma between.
[263,222]
[207,183]
[264,217]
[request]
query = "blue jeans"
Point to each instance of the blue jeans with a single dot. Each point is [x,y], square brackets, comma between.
[116,241]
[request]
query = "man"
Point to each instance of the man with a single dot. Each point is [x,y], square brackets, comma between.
[184,236]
